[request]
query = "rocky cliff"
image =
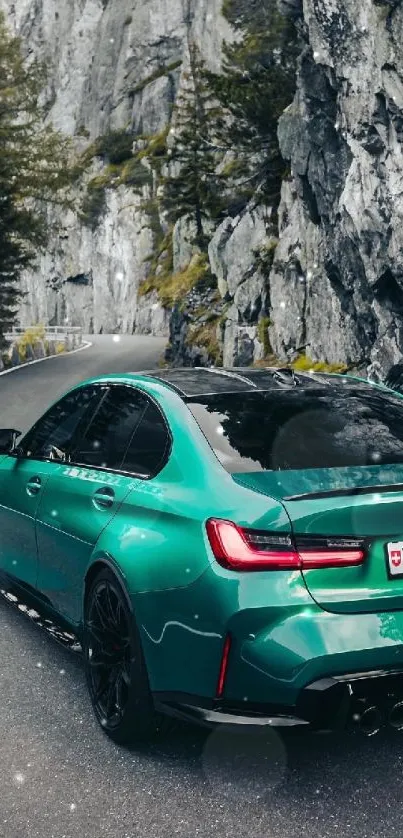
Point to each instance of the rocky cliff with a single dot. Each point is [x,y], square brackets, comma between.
[336,288]
[114,64]
[329,287]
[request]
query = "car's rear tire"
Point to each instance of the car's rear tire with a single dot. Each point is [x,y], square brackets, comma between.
[114,663]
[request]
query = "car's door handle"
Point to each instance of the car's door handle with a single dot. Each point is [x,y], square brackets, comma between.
[34,486]
[103,498]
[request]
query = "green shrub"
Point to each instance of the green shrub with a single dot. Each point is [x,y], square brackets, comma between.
[173,288]
[135,174]
[205,336]
[263,335]
[265,255]
[115,146]
[156,147]
[31,337]
[93,206]
[305,364]
[82,131]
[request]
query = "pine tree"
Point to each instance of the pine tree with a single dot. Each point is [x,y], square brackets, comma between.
[257,84]
[191,186]
[34,167]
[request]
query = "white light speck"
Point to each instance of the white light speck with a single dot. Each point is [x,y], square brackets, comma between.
[301,278]
[282,304]
[62,672]
[119,276]
[54,513]
[337,125]
[309,275]
[188,570]
[15,562]
[73,807]
[377,498]
[111,40]
[116,338]
[316,55]
[19,779]
[39,665]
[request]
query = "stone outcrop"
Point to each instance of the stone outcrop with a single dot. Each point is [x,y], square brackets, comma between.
[234,259]
[89,277]
[113,64]
[332,286]
[337,280]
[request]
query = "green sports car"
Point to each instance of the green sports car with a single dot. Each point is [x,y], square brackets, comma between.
[227,545]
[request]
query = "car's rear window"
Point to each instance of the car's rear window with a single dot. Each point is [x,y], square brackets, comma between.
[301,429]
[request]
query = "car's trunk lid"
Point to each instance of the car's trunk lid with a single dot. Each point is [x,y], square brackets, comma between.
[357,502]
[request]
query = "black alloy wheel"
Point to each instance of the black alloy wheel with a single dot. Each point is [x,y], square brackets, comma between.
[115,669]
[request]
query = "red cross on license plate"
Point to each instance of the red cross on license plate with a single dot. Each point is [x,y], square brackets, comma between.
[395,558]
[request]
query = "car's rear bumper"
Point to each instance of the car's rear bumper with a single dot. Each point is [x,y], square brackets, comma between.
[325,705]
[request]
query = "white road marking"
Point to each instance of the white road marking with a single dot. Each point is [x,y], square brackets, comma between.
[86,345]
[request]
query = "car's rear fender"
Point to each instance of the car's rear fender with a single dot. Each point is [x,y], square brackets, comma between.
[281,641]
[184,630]
[182,599]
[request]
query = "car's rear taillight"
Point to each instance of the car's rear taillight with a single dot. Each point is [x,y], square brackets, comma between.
[237,548]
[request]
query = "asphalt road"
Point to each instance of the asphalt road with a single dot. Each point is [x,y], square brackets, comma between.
[60,777]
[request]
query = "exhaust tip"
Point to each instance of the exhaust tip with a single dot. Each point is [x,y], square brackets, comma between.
[395,718]
[371,721]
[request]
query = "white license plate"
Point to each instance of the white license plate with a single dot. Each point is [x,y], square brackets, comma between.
[395,558]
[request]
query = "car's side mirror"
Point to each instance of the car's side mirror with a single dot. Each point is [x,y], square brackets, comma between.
[8,439]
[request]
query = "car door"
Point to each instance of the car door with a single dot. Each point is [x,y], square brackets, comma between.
[23,478]
[83,496]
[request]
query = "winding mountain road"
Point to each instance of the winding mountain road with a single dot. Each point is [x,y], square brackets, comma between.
[60,777]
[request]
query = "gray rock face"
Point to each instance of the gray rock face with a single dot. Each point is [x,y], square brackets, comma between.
[194,330]
[335,291]
[337,280]
[112,64]
[233,258]
[151,318]
[90,278]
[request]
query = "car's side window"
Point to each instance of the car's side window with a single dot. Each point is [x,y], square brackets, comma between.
[52,436]
[106,439]
[149,445]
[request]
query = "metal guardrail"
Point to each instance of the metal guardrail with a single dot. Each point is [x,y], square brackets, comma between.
[55,339]
[50,331]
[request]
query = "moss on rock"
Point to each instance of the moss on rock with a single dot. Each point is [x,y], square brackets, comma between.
[172,288]
[206,337]
[305,364]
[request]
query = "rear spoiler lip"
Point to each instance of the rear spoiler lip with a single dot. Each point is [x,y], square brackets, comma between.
[359,490]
